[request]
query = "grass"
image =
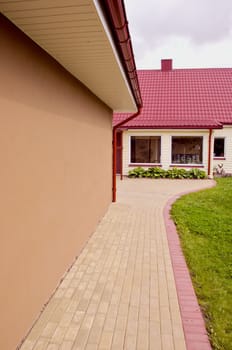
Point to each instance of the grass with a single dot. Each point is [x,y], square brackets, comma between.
[204,223]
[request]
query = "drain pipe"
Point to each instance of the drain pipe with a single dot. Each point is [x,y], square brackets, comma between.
[121,151]
[115,150]
[209,152]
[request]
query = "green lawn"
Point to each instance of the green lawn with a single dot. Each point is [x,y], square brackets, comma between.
[204,223]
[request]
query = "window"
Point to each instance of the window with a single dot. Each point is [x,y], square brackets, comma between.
[187,150]
[219,147]
[145,149]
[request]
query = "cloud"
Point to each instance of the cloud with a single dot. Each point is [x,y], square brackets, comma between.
[187,55]
[199,21]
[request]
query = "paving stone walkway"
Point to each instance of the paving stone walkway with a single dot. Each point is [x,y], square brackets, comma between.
[120,293]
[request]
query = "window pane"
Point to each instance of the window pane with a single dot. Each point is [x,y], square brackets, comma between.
[187,150]
[145,149]
[219,146]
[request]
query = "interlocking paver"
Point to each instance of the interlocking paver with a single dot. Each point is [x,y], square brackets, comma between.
[121,292]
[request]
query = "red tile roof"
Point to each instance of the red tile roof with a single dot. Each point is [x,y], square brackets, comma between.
[184,98]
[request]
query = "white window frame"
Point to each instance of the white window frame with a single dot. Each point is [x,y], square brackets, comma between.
[145,135]
[187,164]
[220,157]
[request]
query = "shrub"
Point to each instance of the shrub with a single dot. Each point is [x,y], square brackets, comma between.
[136,172]
[155,173]
[174,173]
[197,174]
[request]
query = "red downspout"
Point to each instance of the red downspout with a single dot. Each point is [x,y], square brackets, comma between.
[121,150]
[209,154]
[115,150]
[116,14]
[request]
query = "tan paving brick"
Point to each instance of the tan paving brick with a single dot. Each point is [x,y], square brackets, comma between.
[179,344]
[81,339]
[103,307]
[121,323]
[69,293]
[28,345]
[132,327]
[53,347]
[110,324]
[66,345]
[155,336]
[58,335]
[99,320]
[72,307]
[36,332]
[123,309]
[92,308]
[78,317]
[143,334]
[106,340]
[130,342]
[118,340]
[66,319]
[49,330]
[144,310]
[49,309]
[112,311]
[91,347]
[41,344]
[95,335]
[165,318]
[71,332]
[59,311]
[167,342]
[83,305]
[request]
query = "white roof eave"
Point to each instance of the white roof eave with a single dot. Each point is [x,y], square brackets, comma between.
[76,35]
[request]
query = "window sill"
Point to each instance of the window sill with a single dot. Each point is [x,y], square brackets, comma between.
[146,164]
[186,165]
[219,158]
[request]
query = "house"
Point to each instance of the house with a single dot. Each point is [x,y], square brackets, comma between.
[186,121]
[65,66]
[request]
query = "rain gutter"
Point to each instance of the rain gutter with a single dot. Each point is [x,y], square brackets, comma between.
[116,15]
[115,150]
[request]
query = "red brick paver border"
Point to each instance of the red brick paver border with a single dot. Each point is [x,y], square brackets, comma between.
[193,322]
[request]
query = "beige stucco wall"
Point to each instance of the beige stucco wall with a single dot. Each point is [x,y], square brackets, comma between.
[166,137]
[225,133]
[55,183]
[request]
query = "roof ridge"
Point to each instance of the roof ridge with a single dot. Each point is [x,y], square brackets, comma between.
[184,69]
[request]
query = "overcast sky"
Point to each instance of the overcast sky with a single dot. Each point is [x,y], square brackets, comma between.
[194,33]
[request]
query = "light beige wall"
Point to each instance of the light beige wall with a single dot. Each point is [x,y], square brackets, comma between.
[226,132]
[166,136]
[55,178]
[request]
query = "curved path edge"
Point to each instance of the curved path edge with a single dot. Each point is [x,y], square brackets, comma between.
[196,336]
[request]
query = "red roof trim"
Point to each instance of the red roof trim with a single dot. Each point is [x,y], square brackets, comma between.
[172,127]
[227,123]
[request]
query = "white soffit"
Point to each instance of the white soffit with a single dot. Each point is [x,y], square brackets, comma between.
[72,32]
